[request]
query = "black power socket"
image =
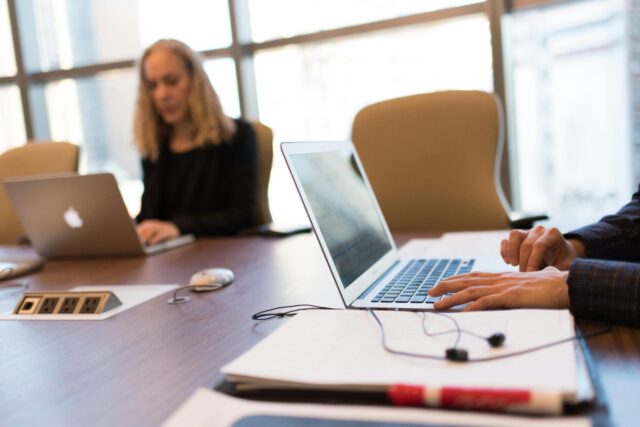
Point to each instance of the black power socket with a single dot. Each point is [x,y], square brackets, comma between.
[90,305]
[48,305]
[69,305]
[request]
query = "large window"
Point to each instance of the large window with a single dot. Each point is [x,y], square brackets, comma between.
[305,67]
[62,34]
[222,74]
[95,112]
[313,92]
[12,128]
[273,19]
[572,121]
[7,59]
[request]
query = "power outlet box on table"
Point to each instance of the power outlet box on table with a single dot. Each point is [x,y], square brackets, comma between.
[66,302]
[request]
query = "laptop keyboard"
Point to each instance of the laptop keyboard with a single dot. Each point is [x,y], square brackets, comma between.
[412,283]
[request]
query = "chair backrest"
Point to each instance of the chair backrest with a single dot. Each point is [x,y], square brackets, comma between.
[432,160]
[34,158]
[264,137]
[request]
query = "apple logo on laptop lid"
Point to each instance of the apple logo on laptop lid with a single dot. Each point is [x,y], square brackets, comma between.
[72,218]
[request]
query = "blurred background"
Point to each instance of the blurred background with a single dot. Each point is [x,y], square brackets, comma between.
[567,71]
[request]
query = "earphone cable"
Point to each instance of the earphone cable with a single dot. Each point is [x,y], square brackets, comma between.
[292,310]
[383,337]
[271,313]
[482,359]
[175,299]
[457,329]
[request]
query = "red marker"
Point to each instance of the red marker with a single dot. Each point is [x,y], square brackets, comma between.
[483,399]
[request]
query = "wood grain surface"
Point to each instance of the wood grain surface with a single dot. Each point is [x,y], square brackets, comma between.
[137,367]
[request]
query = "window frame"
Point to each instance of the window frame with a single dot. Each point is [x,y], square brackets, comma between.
[243,49]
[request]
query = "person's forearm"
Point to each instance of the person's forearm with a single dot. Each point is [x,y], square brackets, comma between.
[614,237]
[605,290]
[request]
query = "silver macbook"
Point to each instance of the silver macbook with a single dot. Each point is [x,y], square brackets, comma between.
[354,235]
[68,216]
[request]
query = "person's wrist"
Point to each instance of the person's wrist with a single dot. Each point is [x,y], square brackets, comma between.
[564,291]
[577,248]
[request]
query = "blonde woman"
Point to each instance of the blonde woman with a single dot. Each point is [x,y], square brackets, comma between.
[199,166]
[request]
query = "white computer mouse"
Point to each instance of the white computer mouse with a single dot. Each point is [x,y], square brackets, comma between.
[211,279]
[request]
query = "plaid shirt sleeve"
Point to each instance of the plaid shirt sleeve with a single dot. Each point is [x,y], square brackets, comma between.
[605,290]
[615,237]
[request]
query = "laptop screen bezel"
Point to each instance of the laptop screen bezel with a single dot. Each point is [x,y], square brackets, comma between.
[356,288]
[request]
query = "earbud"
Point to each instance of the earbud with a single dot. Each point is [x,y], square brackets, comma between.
[457,354]
[461,355]
[496,340]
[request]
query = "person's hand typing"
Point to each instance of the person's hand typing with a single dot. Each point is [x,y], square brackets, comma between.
[152,231]
[483,291]
[540,247]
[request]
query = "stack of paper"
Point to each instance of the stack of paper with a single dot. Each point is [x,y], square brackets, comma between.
[342,349]
[207,408]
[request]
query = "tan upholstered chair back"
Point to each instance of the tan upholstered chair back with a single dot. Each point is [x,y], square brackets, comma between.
[431,160]
[35,158]
[264,136]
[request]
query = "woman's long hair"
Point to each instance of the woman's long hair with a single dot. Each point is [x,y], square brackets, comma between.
[210,124]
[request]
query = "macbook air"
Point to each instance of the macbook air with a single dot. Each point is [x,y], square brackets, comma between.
[354,235]
[68,216]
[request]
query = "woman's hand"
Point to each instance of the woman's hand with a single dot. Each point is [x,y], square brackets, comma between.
[540,247]
[153,231]
[483,291]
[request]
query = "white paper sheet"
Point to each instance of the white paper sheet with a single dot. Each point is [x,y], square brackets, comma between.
[343,348]
[129,295]
[206,408]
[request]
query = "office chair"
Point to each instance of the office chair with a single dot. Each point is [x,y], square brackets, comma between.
[433,161]
[264,137]
[264,225]
[35,158]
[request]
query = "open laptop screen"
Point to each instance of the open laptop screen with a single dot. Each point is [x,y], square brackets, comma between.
[344,210]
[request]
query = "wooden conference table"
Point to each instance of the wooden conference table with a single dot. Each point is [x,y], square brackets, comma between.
[136,368]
